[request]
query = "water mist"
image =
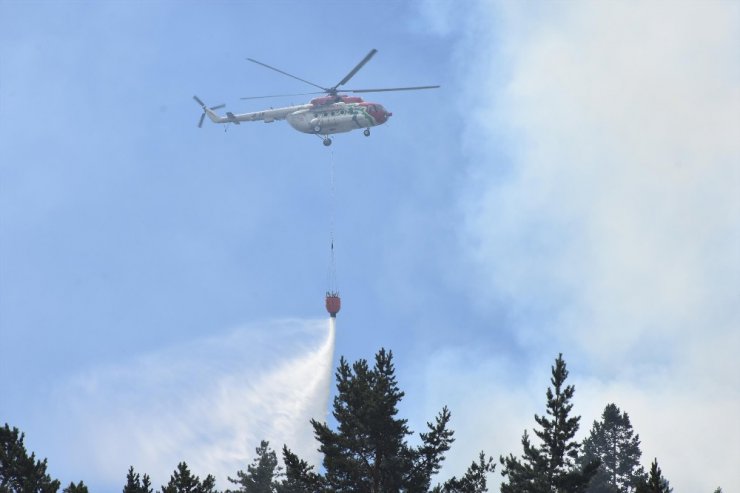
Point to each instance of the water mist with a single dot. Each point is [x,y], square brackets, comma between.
[206,402]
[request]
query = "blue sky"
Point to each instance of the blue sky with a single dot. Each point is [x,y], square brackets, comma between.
[570,188]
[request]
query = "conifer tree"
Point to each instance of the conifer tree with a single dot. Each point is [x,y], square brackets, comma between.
[299,475]
[655,482]
[262,475]
[475,479]
[183,481]
[135,484]
[613,441]
[133,481]
[146,484]
[18,470]
[75,488]
[552,466]
[368,452]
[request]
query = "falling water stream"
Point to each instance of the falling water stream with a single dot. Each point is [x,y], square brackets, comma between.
[207,402]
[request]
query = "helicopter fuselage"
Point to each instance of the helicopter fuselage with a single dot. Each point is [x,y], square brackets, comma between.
[338,117]
[322,116]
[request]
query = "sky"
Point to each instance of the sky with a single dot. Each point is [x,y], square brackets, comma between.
[571,188]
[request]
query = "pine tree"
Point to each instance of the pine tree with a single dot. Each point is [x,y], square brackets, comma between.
[262,475]
[18,470]
[655,482]
[553,465]
[133,481]
[613,442]
[299,475]
[368,453]
[146,484]
[475,479]
[75,488]
[183,481]
[527,474]
[135,484]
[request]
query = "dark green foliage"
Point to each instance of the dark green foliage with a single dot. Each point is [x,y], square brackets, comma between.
[183,481]
[368,452]
[75,488]
[146,485]
[558,428]
[613,442]
[526,474]
[299,476]
[135,484]
[475,479]
[551,467]
[262,474]
[429,456]
[655,482]
[18,471]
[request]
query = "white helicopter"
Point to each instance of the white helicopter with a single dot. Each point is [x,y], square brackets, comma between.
[323,116]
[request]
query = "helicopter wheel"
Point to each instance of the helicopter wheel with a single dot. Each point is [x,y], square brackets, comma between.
[367,132]
[317,128]
[327,141]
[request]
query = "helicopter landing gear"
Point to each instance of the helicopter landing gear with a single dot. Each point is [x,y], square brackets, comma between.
[366,132]
[317,128]
[327,141]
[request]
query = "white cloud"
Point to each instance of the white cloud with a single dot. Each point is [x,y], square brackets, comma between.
[603,207]
[207,402]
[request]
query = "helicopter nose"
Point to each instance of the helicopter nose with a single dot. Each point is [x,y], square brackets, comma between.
[383,115]
[379,113]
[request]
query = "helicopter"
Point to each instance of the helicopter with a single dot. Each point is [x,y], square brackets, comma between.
[322,116]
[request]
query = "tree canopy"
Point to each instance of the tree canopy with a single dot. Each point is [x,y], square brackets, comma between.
[553,465]
[183,481]
[655,482]
[20,471]
[613,441]
[475,479]
[261,475]
[76,488]
[369,451]
[369,448]
[136,484]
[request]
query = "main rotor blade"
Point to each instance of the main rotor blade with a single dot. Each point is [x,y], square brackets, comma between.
[283,95]
[202,117]
[197,99]
[416,88]
[286,73]
[356,69]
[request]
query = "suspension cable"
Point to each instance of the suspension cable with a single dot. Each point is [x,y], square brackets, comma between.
[332,274]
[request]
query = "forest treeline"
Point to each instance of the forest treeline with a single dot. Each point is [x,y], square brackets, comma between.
[368,451]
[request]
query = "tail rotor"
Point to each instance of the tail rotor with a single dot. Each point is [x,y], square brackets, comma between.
[205,108]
